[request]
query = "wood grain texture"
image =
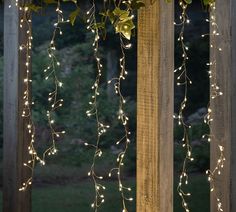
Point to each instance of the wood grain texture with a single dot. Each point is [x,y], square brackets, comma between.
[224,108]
[155,108]
[16,139]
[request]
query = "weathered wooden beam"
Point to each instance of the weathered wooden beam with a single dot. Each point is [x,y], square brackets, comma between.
[155,107]
[16,138]
[224,107]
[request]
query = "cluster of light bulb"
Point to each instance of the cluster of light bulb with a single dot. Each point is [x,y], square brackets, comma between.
[25,49]
[121,115]
[183,80]
[51,73]
[93,111]
[123,118]
[214,93]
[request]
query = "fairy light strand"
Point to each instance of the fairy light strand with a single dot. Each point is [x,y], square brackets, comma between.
[183,80]
[214,94]
[25,49]
[51,73]
[93,111]
[53,96]
[123,118]
[55,103]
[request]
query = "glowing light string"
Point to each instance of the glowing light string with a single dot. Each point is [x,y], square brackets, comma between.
[55,102]
[51,72]
[123,118]
[183,80]
[25,49]
[93,111]
[214,93]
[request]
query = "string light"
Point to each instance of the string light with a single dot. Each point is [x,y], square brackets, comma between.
[53,96]
[214,93]
[123,118]
[51,73]
[93,111]
[55,102]
[183,80]
[25,49]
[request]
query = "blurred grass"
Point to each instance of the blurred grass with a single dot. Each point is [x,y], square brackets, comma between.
[77,197]
[63,186]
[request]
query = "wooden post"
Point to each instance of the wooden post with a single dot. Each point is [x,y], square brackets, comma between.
[155,107]
[16,139]
[224,107]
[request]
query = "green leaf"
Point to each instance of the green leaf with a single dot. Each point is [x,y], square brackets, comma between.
[121,14]
[188,1]
[207,2]
[125,28]
[73,16]
[137,4]
[111,16]
[123,22]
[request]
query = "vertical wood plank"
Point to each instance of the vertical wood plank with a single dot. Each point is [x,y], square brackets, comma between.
[224,107]
[155,107]
[16,139]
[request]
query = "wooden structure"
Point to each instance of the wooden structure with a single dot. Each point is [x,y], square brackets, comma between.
[15,136]
[155,109]
[155,95]
[224,108]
